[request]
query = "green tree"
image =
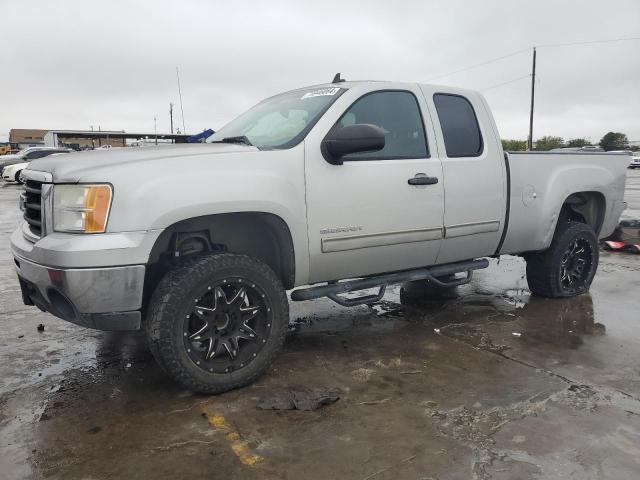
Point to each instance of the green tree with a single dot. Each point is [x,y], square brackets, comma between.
[514,145]
[548,142]
[614,141]
[578,142]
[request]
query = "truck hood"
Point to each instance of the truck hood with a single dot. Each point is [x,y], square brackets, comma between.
[74,167]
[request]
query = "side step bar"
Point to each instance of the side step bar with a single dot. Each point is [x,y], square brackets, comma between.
[332,289]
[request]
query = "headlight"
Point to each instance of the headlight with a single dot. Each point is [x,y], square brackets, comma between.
[81,208]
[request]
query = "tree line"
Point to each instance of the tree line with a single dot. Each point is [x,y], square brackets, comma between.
[611,141]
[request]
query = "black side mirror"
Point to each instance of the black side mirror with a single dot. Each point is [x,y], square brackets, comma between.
[360,137]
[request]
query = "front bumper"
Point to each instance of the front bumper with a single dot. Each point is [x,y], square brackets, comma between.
[107,298]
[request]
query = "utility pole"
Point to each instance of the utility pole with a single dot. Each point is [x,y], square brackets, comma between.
[533,91]
[155,130]
[171,116]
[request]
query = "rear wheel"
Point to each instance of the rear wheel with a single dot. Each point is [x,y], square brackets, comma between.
[568,266]
[217,322]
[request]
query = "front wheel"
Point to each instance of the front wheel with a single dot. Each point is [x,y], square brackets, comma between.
[568,266]
[17,176]
[217,322]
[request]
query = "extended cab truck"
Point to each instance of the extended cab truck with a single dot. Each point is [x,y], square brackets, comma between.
[376,182]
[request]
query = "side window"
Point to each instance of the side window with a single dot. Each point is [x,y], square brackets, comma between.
[33,155]
[462,137]
[398,114]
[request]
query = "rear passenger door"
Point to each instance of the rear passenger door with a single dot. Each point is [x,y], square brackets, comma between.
[474,174]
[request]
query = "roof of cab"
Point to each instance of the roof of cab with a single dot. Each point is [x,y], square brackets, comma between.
[356,83]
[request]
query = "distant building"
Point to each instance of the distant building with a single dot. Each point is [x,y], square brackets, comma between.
[29,137]
[26,137]
[81,139]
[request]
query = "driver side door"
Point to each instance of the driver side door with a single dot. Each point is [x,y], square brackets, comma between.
[365,216]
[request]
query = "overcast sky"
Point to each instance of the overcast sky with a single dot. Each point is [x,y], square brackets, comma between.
[70,64]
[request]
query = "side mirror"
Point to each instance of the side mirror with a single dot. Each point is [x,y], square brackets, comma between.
[360,137]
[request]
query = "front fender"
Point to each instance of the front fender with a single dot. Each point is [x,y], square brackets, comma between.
[268,182]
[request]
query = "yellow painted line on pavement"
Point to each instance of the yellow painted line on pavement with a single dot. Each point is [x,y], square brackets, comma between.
[239,446]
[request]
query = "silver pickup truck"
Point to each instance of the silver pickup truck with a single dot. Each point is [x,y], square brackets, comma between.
[325,190]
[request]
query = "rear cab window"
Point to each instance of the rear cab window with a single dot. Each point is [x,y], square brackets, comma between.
[459,124]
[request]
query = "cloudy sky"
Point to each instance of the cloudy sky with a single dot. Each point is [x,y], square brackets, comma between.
[70,64]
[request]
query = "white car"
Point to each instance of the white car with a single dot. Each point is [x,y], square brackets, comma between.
[11,174]
[635,161]
[28,154]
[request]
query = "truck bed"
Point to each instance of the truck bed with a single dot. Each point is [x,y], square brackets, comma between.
[541,182]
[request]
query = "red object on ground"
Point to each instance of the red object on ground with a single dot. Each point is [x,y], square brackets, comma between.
[615,245]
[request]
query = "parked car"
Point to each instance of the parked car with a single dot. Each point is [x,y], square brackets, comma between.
[11,174]
[28,154]
[635,160]
[375,182]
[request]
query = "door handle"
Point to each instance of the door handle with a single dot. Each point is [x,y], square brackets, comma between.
[422,179]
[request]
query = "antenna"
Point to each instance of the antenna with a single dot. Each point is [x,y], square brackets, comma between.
[337,79]
[184,129]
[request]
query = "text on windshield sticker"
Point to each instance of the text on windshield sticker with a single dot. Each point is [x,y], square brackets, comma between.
[320,92]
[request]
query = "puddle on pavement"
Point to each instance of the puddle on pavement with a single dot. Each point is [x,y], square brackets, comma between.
[471,313]
[493,313]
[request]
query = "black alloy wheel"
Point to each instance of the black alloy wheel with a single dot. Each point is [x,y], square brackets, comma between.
[216,322]
[568,266]
[227,326]
[575,265]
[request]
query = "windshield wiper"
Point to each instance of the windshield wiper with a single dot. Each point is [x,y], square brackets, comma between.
[239,139]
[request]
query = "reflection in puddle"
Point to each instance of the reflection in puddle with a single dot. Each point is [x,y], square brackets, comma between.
[517,298]
[562,321]
[468,317]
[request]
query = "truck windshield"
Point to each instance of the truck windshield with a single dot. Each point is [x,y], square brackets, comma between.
[281,121]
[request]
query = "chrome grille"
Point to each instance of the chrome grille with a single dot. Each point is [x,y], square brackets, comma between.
[31,202]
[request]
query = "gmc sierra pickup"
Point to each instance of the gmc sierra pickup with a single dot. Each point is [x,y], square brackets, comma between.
[324,190]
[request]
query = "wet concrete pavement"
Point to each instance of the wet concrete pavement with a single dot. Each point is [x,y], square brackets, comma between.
[491,383]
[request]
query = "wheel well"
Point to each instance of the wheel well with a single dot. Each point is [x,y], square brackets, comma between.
[263,236]
[584,207]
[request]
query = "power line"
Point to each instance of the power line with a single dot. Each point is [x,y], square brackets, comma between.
[590,42]
[517,52]
[505,83]
[480,64]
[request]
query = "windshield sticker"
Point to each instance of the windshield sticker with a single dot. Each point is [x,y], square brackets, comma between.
[320,92]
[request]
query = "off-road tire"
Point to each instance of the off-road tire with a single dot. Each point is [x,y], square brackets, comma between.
[172,298]
[544,268]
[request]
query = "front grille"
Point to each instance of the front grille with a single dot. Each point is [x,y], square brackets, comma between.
[32,206]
